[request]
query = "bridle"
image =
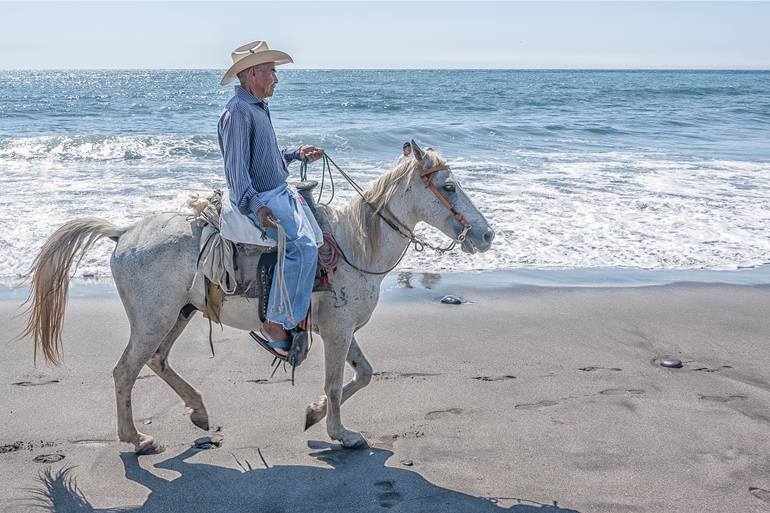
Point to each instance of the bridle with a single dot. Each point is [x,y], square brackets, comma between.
[401,228]
[425,174]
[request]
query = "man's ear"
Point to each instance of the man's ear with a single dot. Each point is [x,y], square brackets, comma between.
[418,153]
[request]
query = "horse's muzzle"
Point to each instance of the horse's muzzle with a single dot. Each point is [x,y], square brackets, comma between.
[477,242]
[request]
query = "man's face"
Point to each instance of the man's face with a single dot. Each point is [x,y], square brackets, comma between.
[407,150]
[264,80]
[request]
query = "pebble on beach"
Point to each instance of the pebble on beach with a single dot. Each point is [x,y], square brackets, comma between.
[451,300]
[208,442]
[671,363]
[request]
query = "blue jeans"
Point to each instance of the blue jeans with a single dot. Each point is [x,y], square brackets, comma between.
[301,255]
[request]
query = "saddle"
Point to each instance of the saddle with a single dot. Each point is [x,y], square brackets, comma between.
[254,269]
[254,265]
[241,269]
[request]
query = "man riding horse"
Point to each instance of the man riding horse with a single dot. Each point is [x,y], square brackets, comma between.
[156,260]
[256,171]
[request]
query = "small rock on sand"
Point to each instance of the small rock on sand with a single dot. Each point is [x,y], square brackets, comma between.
[671,363]
[208,442]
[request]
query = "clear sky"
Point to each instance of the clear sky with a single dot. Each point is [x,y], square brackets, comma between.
[37,35]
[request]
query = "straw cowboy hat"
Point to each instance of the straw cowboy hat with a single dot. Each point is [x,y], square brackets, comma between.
[252,54]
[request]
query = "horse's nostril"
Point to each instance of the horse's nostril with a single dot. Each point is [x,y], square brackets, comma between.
[489,235]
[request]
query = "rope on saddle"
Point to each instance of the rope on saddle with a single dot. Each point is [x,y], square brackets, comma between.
[215,257]
[284,299]
[329,253]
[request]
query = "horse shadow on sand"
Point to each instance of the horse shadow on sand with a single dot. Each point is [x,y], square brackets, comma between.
[358,481]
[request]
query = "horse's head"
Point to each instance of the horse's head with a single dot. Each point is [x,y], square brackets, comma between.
[441,202]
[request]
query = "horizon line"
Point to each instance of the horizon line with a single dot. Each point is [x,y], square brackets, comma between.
[222,70]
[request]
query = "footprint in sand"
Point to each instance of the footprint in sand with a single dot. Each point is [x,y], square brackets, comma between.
[389,440]
[387,496]
[48,458]
[494,378]
[536,406]
[591,368]
[92,443]
[262,381]
[35,382]
[714,369]
[21,444]
[433,415]
[387,375]
[622,391]
[386,440]
[10,447]
[760,494]
[722,398]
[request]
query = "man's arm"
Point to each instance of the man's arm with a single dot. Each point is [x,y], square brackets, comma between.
[293,153]
[235,134]
[290,154]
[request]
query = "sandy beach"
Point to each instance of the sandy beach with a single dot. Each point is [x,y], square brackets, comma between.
[523,399]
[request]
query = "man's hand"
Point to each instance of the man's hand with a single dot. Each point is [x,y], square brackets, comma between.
[266,218]
[310,152]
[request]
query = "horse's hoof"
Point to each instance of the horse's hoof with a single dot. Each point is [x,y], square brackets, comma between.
[313,414]
[147,445]
[353,440]
[200,419]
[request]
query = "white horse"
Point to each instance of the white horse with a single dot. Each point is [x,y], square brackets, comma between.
[154,265]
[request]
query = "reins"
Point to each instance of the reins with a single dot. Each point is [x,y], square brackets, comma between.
[395,224]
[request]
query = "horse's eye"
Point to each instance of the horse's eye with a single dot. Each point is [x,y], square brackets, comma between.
[449,187]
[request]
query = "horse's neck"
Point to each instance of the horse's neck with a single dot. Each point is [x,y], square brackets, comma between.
[388,245]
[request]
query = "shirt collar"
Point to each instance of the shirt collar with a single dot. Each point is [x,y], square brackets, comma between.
[246,96]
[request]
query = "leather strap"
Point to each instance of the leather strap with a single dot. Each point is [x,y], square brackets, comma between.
[425,174]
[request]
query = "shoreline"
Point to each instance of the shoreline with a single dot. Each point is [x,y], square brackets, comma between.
[397,283]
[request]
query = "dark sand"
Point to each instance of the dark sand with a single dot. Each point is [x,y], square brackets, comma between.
[525,399]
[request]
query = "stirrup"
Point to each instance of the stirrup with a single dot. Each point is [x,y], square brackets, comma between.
[300,345]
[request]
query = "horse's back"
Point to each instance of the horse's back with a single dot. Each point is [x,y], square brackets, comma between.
[157,255]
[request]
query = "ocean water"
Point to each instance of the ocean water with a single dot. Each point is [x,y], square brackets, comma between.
[574,169]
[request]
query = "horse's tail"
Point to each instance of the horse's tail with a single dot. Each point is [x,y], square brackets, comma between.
[51,280]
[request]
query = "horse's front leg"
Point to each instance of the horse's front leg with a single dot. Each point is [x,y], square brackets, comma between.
[337,341]
[356,358]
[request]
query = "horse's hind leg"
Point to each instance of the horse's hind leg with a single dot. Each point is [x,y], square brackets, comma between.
[146,337]
[159,363]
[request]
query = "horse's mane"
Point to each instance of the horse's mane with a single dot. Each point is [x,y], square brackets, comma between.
[362,224]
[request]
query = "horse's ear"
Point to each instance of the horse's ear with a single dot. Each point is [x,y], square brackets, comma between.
[418,153]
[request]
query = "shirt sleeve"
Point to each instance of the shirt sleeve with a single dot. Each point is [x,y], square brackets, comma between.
[290,154]
[235,132]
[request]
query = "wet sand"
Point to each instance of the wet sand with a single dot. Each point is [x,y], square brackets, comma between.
[523,399]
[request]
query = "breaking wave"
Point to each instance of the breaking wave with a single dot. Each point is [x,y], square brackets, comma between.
[108,148]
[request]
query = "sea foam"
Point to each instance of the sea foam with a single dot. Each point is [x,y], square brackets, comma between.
[573,169]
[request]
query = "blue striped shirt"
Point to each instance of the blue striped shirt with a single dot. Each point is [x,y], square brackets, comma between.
[253,161]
